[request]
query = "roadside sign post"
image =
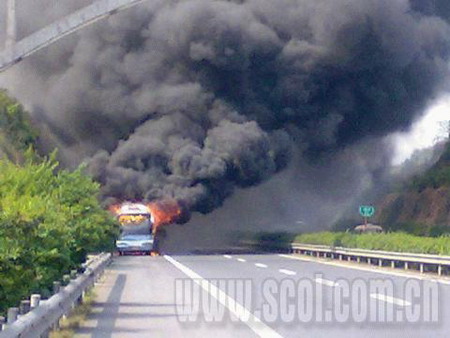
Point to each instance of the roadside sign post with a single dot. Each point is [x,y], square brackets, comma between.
[366,211]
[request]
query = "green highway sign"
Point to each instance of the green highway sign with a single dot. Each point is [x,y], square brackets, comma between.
[366,210]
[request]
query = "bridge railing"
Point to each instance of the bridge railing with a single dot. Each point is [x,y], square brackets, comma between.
[422,262]
[41,316]
[57,30]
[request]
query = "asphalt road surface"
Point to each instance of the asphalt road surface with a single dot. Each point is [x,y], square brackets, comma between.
[263,296]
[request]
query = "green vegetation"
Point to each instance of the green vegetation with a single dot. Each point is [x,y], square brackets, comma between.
[272,241]
[394,241]
[419,229]
[49,220]
[436,177]
[16,131]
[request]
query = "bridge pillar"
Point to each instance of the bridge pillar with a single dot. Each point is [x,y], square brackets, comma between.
[11,25]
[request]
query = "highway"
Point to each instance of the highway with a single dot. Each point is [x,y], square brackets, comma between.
[263,296]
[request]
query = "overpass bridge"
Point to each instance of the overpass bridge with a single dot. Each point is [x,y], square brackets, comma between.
[15,51]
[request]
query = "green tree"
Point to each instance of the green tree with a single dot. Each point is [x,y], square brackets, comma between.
[49,220]
[15,124]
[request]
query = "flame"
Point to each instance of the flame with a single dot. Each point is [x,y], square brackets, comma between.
[165,212]
[115,208]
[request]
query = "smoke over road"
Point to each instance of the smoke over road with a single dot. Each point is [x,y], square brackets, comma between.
[191,100]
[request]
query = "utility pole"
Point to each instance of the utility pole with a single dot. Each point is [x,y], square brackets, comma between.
[11,25]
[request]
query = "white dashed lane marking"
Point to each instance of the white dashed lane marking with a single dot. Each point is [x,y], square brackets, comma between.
[389,299]
[326,282]
[254,323]
[260,265]
[288,272]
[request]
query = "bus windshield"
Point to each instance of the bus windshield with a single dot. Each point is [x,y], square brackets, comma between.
[136,219]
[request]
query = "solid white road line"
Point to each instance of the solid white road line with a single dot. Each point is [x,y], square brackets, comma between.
[288,272]
[242,260]
[389,299]
[254,323]
[326,282]
[362,268]
[260,265]
[227,256]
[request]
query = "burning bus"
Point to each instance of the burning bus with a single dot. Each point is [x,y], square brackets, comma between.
[142,224]
[136,235]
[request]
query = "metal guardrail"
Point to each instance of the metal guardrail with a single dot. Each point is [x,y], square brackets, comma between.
[46,314]
[422,262]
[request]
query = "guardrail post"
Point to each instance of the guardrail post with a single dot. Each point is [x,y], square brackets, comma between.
[13,312]
[2,322]
[421,267]
[369,261]
[349,258]
[35,300]
[406,266]
[56,287]
[340,257]
[392,264]
[66,280]
[40,321]
[358,259]
[24,307]
[380,262]
[439,270]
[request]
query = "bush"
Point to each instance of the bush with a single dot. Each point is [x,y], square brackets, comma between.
[394,241]
[273,241]
[437,176]
[15,124]
[49,221]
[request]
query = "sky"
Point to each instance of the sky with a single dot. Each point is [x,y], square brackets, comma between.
[424,133]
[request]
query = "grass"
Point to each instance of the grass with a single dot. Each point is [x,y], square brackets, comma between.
[393,241]
[68,325]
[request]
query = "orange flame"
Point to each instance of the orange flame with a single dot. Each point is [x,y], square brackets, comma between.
[165,212]
[114,208]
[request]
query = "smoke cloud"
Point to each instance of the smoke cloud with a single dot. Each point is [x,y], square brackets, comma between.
[191,100]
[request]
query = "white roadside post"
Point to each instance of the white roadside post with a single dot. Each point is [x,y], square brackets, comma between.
[35,300]
[11,25]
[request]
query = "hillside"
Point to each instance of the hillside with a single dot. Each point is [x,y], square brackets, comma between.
[50,217]
[422,205]
[16,131]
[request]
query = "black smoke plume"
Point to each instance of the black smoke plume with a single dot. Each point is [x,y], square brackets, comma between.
[190,100]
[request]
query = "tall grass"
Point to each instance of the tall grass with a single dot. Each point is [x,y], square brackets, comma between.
[394,241]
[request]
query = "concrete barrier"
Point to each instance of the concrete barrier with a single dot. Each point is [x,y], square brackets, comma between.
[41,315]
